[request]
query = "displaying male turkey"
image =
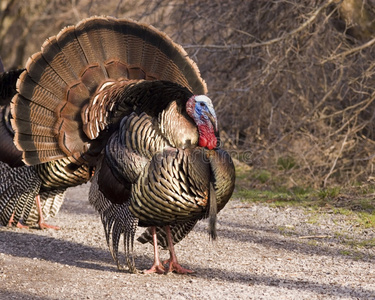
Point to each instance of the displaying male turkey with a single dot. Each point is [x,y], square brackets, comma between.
[124,99]
[26,191]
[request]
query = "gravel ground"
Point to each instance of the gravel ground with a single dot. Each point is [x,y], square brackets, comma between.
[262,252]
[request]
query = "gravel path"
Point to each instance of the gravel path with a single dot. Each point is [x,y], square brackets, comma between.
[262,252]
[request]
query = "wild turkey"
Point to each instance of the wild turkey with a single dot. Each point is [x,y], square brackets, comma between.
[21,184]
[123,98]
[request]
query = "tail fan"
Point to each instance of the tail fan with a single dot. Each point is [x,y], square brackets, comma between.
[82,60]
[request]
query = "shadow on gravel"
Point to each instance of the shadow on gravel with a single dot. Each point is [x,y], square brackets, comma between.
[82,256]
[297,284]
[5,294]
[287,240]
[60,251]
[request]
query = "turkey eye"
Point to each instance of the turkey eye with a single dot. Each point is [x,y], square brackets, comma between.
[201,104]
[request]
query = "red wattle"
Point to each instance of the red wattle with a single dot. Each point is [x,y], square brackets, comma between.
[212,143]
[207,137]
[208,143]
[202,141]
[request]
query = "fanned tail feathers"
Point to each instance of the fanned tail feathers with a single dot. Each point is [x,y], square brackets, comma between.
[82,60]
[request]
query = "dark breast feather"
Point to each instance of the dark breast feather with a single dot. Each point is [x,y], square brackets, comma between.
[9,153]
[116,191]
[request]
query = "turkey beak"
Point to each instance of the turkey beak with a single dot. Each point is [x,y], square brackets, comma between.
[213,120]
[211,115]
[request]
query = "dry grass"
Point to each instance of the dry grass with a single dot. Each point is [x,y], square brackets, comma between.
[292,83]
[289,82]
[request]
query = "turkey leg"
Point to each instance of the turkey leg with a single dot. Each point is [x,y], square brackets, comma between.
[41,223]
[157,267]
[174,266]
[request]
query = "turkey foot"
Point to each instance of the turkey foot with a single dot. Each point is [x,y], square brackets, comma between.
[41,223]
[157,267]
[18,225]
[174,266]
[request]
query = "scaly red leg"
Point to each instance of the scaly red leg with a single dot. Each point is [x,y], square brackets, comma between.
[41,223]
[157,267]
[174,266]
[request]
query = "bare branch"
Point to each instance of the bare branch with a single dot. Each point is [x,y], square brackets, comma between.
[269,42]
[336,159]
[349,52]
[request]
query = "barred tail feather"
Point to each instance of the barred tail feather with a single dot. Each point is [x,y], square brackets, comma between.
[18,189]
[179,231]
[117,221]
[50,201]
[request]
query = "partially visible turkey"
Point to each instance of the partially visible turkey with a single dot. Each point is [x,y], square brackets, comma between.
[26,192]
[122,98]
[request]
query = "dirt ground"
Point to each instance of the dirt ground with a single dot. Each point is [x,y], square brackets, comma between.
[262,252]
